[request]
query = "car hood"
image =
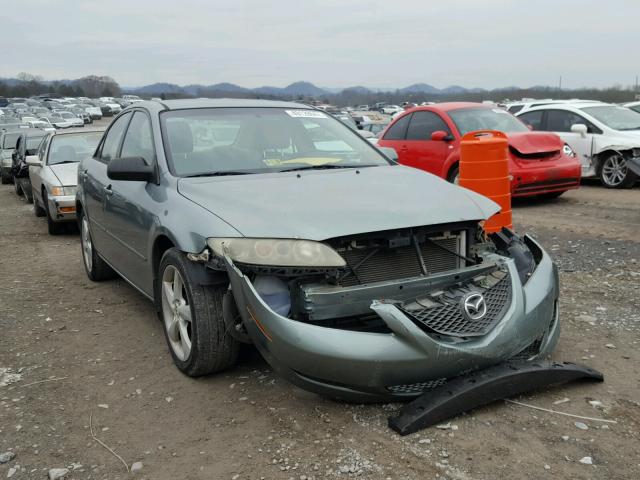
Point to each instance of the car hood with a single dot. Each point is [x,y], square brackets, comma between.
[622,139]
[318,205]
[67,173]
[529,143]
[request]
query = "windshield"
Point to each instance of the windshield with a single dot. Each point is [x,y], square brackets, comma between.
[618,118]
[72,147]
[10,140]
[471,119]
[261,140]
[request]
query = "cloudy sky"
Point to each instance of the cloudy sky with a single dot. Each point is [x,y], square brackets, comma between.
[332,43]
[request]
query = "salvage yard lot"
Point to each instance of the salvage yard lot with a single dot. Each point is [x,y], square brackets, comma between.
[103,349]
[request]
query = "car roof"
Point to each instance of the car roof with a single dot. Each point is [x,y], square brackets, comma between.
[78,130]
[182,104]
[567,106]
[449,106]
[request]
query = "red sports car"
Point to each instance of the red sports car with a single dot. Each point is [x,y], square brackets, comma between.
[428,138]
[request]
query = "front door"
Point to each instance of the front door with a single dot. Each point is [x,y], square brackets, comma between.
[422,152]
[128,214]
[560,122]
[96,186]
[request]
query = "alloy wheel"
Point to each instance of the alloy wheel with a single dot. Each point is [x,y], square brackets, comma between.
[87,246]
[614,170]
[176,312]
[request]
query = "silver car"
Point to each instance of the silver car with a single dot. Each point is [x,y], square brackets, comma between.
[272,223]
[54,175]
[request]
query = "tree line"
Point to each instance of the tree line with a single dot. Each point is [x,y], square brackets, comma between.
[27,85]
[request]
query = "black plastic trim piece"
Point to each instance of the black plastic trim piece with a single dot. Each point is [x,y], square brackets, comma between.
[485,386]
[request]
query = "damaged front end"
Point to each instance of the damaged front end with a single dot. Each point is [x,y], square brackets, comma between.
[392,314]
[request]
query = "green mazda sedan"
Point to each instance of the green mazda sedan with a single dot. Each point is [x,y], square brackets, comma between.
[272,223]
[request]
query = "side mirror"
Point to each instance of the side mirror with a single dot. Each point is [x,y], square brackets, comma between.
[579,128]
[134,169]
[441,136]
[390,153]
[33,161]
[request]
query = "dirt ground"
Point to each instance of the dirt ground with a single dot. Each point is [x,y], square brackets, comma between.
[99,354]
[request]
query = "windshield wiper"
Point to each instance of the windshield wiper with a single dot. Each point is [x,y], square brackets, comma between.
[221,173]
[324,167]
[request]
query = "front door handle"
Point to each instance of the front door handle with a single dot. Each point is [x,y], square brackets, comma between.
[84,174]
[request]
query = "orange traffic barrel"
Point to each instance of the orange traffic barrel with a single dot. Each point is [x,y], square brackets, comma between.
[484,168]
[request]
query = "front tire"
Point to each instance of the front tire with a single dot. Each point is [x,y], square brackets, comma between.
[37,209]
[17,187]
[96,268]
[454,175]
[615,173]
[193,320]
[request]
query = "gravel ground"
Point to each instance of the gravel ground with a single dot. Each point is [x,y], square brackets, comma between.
[80,360]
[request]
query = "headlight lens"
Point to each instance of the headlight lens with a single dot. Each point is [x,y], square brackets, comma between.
[568,151]
[63,191]
[277,252]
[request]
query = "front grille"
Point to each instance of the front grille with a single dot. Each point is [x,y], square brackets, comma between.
[401,262]
[413,388]
[445,315]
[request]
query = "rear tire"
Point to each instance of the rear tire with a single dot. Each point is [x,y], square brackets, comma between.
[192,315]
[96,268]
[614,172]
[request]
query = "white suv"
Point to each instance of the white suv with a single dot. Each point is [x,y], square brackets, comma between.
[605,137]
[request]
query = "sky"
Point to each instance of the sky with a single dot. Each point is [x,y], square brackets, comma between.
[331,43]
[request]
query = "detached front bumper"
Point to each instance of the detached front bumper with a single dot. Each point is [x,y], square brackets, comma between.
[364,366]
[62,208]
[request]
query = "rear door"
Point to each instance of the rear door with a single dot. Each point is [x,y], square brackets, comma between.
[128,208]
[421,151]
[96,185]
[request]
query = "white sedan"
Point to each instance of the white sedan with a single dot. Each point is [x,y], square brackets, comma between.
[605,137]
[54,174]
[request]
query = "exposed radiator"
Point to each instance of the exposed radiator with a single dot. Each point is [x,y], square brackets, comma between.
[402,262]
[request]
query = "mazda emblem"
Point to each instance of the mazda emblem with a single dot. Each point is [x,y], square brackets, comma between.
[474,306]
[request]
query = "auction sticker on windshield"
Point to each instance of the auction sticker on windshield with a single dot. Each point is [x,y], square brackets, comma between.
[305,114]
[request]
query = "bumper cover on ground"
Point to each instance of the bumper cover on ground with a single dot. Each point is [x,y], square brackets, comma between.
[484,387]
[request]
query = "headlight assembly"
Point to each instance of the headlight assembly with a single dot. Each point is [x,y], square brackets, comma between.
[277,252]
[568,151]
[63,191]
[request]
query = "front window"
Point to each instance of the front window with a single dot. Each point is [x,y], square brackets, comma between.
[33,143]
[261,140]
[72,147]
[472,119]
[617,118]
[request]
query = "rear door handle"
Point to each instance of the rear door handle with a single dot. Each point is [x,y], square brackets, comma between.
[84,174]
[108,191]
[404,148]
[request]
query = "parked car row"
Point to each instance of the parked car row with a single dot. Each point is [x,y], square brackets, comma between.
[274,223]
